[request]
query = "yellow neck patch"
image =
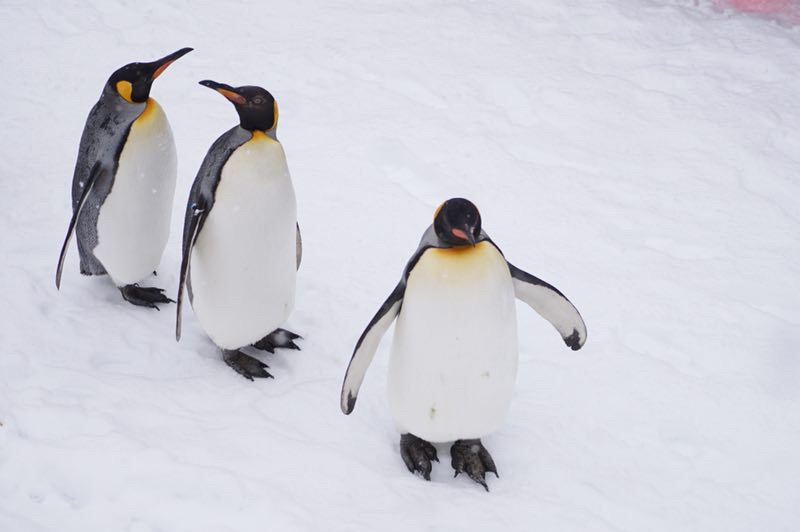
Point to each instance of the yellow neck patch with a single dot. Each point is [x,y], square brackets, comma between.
[275,108]
[124,89]
[458,251]
[259,135]
[463,264]
[149,107]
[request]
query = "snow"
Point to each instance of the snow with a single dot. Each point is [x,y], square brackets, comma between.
[640,155]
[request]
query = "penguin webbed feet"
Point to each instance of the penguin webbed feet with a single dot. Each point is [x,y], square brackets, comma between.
[472,458]
[417,455]
[144,296]
[248,367]
[279,338]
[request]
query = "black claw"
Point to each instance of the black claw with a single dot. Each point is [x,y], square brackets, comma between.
[404,454]
[264,345]
[472,458]
[457,461]
[290,334]
[245,365]
[488,462]
[144,296]
[279,338]
[417,455]
[430,451]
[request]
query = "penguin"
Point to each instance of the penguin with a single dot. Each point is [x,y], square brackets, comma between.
[124,184]
[454,355]
[241,240]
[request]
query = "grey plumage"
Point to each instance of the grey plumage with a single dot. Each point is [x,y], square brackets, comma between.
[104,136]
[208,176]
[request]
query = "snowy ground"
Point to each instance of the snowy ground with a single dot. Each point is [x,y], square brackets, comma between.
[642,156]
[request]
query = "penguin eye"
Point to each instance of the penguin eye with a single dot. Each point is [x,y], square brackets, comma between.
[258,100]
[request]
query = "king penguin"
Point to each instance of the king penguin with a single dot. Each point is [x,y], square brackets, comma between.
[454,356]
[241,240]
[124,184]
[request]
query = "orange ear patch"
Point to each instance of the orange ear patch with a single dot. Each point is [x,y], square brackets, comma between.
[438,210]
[124,89]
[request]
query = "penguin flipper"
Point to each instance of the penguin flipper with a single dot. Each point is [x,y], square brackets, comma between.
[299,246]
[550,304]
[199,211]
[367,345]
[95,172]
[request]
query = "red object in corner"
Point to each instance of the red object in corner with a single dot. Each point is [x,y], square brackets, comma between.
[785,10]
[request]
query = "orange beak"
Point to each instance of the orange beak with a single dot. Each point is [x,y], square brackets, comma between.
[162,64]
[225,90]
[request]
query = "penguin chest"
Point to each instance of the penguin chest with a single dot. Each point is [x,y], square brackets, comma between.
[243,265]
[133,222]
[454,354]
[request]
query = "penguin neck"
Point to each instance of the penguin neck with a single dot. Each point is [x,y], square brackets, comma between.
[260,134]
[116,105]
[440,243]
[150,106]
[449,249]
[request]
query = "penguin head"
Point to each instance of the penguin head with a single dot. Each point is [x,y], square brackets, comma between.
[457,222]
[133,81]
[257,109]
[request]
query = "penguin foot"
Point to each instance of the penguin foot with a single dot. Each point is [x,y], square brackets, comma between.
[245,365]
[417,454]
[144,296]
[280,338]
[472,458]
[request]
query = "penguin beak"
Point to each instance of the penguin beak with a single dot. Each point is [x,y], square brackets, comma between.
[145,74]
[470,237]
[226,90]
[160,65]
[464,234]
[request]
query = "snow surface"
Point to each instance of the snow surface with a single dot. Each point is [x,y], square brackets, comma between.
[640,155]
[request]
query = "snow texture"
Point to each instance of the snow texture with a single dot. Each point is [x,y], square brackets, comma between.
[640,155]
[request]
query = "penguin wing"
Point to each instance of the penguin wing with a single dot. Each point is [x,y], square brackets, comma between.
[368,344]
[199,212]
[299,246]
[551,304]
[97,170]
[372,335]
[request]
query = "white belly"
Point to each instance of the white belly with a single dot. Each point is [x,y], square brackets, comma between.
[454,355]
[243,266]
[133,222]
